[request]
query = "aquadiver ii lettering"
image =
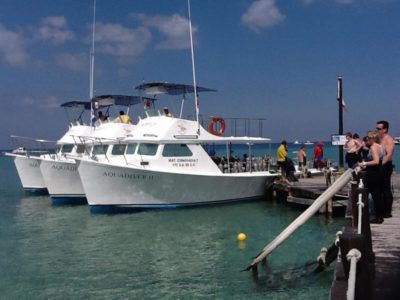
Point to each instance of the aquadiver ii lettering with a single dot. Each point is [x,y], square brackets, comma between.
[127,176]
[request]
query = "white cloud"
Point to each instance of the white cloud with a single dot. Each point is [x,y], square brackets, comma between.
[12,48]
[262,14]
[122,42]
[55,30]
[174,28]
[74,62]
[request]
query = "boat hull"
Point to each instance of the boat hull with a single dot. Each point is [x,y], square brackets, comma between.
[126,187]
[63,181]
[28,169]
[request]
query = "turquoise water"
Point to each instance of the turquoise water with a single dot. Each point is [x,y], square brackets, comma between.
[64,252]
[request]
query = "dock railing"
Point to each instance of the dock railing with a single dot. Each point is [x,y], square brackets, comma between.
[356,243]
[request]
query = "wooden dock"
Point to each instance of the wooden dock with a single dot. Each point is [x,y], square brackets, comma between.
[386,246]
[304,192]
[385,238]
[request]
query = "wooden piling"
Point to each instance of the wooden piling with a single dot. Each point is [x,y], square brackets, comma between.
[351,240]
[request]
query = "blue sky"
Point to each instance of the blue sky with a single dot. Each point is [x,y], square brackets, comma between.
[277,60]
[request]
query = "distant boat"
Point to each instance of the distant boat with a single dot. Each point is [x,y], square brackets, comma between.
[397,140]
[308,143]
[296,142]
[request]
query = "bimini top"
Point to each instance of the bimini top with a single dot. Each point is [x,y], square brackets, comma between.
[77,104]
[122,100]
[155,88]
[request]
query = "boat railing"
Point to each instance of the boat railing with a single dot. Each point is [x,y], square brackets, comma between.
[236,126]
[234,165]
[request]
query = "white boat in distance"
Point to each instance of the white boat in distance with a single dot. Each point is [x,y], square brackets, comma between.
[27,164]
[164,164]
[30,167]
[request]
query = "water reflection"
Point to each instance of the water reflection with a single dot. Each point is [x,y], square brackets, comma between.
[156,254]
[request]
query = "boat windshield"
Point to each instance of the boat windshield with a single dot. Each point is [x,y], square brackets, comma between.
[67,148]
[99,149]
[147,149]
[118,149]
[131,149]
[175,150]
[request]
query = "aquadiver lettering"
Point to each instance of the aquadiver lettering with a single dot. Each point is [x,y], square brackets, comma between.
[64,168]
[127,176]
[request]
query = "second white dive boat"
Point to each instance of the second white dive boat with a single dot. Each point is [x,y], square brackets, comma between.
[164,164]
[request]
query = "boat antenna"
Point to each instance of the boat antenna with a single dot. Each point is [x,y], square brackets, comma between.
[194,71]
[91,63]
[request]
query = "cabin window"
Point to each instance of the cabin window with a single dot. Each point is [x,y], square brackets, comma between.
[131,149]
[174,150]
[80,149]
[67,148]
[118,149]
[99,149]
[147,149]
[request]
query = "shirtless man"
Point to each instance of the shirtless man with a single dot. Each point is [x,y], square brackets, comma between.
[387,166]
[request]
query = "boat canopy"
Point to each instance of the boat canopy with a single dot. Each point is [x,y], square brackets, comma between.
[122,100]
[77,104]
[155,88]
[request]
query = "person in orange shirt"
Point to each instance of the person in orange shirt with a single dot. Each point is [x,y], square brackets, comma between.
[318,153]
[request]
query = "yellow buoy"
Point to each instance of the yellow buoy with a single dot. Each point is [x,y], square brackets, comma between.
[241,237]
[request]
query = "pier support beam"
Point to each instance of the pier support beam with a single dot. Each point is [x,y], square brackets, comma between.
[351,240]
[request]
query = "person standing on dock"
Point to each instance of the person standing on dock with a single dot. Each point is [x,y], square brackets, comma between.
[387,144]
[281,155]
[318,153]
[352,147]
[373,179]
[302,158]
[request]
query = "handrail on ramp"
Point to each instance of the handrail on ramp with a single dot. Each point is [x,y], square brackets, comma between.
[307,214]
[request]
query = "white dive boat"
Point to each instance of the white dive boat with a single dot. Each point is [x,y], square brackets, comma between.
[60,171]
[397,140]
[27,165]
[164,164]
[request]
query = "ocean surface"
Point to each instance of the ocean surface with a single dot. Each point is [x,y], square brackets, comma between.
[65,252]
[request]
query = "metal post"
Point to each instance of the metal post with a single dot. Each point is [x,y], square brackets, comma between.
[340,100]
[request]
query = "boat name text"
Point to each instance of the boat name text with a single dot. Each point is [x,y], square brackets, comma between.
[64,168]
[127,176]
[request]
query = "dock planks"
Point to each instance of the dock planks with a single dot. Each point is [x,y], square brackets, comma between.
[386,245]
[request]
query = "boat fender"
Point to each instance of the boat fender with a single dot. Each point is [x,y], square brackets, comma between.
[212,126]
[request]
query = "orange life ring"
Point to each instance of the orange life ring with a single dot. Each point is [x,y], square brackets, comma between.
[213,125]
